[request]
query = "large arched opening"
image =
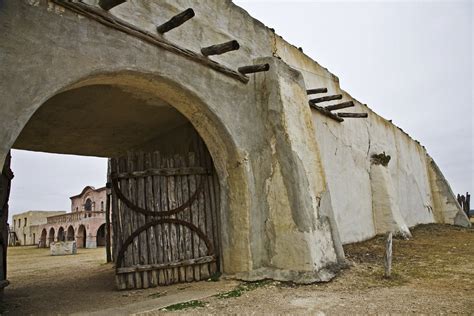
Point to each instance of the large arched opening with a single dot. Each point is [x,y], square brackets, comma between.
[61,234]
[70,234]
[131,120]
[43,239]
[81,237]
[100,236]
[51,236]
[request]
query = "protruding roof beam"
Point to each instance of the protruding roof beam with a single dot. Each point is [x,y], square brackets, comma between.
[326,98]
[316,91]
[326,112]
[253,68]
[109,4]
[175,21]
[220,48]
[353,115]
[342,105]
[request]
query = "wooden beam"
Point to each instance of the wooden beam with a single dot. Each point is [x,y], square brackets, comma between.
[220,48]
[342,105]
[253,68]
[111,21]
[353,115]
[316,91]
[326,112]
[166,172]
[175,21]
[160,266]
[109,4]
[326,98]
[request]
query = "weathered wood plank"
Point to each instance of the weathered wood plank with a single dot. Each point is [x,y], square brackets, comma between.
[194,214]
[183,263]
[141,220]
[150,202]
[131,165]
[157,189]
[169,172]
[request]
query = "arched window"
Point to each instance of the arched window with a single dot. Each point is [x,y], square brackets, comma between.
[102,206]
[88,205]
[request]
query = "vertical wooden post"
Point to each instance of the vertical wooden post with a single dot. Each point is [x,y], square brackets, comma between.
[388,256]
[107,215]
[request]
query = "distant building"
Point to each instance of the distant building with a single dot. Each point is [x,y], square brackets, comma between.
[26,226]
[85,224]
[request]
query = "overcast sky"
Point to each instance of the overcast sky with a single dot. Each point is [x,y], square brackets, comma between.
[410,61]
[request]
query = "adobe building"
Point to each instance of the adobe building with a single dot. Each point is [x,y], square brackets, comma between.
[231,150]
[85,224]
[26,225]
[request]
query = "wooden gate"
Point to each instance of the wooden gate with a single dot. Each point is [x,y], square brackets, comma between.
[164,217]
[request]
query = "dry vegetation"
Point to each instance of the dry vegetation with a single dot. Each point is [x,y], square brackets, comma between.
[433,273]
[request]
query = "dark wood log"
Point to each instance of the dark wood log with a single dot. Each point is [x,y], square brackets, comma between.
[326,112]
[353,115]
[109,4]
[326,98]
[253,68]
[111,21]
[175,21]
[316,91]
[220,48]
[339,106]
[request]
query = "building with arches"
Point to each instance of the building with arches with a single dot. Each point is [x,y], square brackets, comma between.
[85,223]
[26,226]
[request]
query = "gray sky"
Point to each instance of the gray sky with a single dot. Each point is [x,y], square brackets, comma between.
[410,61]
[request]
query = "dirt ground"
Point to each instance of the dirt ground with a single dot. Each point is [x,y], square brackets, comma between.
[433,273]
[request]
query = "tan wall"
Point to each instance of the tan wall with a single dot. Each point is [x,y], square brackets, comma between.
[28,234]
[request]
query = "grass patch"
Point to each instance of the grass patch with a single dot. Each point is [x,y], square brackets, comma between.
[242,288]
[185,305]
[215,277]
[157,294]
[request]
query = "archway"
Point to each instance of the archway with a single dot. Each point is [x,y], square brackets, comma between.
[51,236]
[81,237]
[43,241]
[100,236]
[70,234]
[61,236]
[129,121]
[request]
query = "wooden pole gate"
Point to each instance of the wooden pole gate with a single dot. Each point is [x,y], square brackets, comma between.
[164,217]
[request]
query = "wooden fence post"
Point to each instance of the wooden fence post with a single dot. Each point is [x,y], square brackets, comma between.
[388,256]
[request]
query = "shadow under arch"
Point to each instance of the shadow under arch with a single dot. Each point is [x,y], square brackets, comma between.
[211,128]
